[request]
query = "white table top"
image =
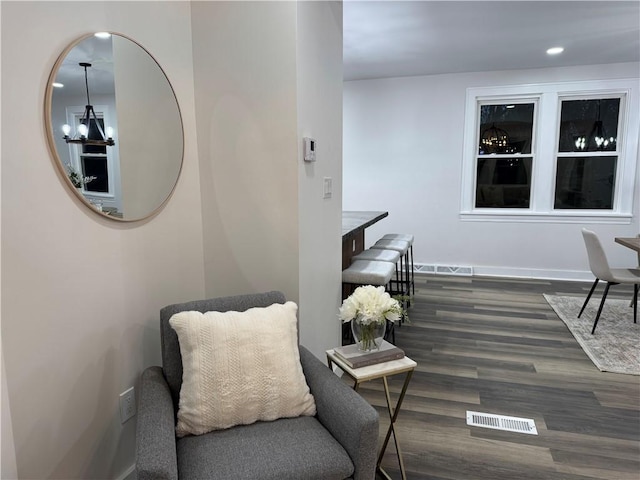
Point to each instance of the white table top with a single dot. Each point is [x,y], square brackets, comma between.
[378,370]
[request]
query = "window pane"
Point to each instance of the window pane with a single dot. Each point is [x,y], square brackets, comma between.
[96,167]
[503,182]
[506,128]
[589,125]
[94,134]
[585,182]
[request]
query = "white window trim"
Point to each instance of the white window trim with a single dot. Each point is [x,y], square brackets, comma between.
[545,139]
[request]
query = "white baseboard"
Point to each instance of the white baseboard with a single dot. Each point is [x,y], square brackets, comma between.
[533,273]
[128,474]
[540,274]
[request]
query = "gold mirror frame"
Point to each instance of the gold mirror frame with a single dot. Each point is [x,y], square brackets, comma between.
[144,200]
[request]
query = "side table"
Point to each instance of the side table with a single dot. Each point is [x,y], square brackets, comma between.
[373,372]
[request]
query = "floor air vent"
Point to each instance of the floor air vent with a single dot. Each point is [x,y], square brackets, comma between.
[502,422]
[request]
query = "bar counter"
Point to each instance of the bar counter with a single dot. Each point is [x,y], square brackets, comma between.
[353,226]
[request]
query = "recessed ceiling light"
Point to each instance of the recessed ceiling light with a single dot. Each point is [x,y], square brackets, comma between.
[555,50]
[102,34]
[511,106]
[57,84]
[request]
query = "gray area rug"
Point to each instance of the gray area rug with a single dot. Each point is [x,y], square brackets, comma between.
[615,346]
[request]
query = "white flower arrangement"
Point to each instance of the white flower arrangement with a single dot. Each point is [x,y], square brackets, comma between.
[370,304]
[77,179]
[369,308]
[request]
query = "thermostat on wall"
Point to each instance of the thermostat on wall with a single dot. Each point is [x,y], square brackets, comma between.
[309,149]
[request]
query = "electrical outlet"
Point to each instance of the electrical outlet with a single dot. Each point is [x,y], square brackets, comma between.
[127,404]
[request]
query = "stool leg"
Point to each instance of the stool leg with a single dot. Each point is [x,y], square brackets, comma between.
[347,334]
[390,332]
[399,279]
[413,283]
[408,290]
[396,280]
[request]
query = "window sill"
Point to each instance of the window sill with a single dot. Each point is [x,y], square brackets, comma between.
[542,217]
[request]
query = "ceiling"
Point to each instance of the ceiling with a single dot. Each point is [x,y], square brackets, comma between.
[99,53]
[404,38]
[427,37]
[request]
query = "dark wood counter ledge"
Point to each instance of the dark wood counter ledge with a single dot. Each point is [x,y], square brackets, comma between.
[353,226]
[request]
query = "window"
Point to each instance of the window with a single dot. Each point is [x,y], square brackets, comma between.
[93,160]
[95,166]
[587,154]
[505,158]
[551,152]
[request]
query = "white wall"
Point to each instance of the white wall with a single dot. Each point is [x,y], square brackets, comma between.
[403,153]
[261,69]
[150,132]
[80,293]
[8,467]
[245,83]
[319,59]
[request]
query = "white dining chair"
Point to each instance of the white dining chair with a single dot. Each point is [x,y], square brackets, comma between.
[631,303]
[613,276]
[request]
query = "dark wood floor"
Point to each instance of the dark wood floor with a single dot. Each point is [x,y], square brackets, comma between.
[495,346]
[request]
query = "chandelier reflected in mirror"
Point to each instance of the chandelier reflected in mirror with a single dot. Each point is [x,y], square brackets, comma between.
[88,120]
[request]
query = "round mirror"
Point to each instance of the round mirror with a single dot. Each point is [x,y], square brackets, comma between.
[114,126]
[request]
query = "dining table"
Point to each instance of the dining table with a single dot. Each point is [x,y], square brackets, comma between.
[630,242]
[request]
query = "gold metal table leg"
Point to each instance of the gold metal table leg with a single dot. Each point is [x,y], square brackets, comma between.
[393,415]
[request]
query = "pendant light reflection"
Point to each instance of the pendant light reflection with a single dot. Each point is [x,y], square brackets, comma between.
[86,120]
[597,136]
[495,140]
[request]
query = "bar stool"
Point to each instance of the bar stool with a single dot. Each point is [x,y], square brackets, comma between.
[383,255]
[407,237]
[402,247]
[368,272]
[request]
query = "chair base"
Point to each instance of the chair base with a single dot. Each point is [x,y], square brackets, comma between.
[604,297]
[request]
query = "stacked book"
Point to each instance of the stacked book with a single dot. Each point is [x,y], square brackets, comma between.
[355,358]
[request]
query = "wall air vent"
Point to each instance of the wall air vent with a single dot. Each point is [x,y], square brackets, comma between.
[421,268]
[443,269]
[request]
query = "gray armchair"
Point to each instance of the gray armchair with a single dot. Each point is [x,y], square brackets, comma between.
[339,442]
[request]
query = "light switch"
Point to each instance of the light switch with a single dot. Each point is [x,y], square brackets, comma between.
[328,187]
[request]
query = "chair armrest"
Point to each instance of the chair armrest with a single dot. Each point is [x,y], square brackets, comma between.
[155,435]
[345,414]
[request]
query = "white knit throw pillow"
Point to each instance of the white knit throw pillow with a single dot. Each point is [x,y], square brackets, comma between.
[239,367]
